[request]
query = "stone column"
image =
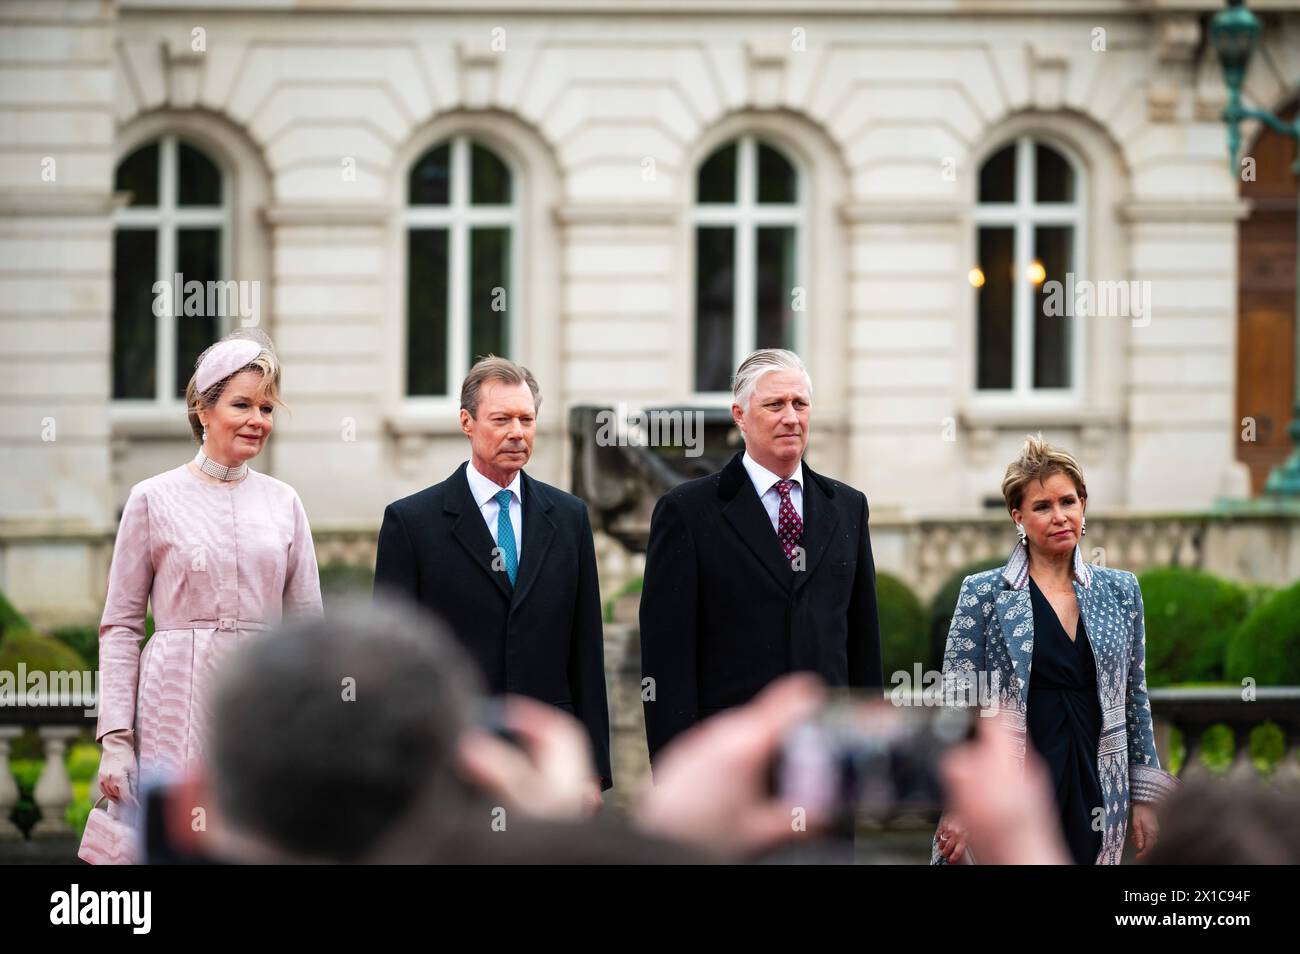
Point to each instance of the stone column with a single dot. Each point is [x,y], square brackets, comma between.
[8,787]
[53,789]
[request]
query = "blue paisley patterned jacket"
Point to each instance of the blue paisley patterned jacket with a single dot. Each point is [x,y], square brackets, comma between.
[991,641]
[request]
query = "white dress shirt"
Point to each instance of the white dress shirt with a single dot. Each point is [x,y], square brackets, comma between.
[765,484]
[484,492]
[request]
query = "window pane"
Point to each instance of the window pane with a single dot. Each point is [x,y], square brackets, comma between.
[776,177]
[198,257]
[490,179]
[715,298]
[996,263]
[998,176]
[1053,247]
[775,282]
[717,178]
[489,283]
[135,329]
[426,311]
[1055,178]
[138,174]
[200,179]
[430,182]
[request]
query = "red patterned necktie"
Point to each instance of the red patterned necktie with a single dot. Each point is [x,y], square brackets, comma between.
[789,528]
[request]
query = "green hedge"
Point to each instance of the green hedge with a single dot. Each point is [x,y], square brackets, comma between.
[903,639]
[1267,743]
[10,618]
[84,640]
[1190,616]
[344,582]
[38,652]
[82,763]
[945,601]
[1266,647]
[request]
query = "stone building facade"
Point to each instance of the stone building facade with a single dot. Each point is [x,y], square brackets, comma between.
[625,196]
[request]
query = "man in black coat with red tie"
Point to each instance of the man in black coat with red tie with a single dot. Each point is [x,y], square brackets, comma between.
[761,569]
[506,560]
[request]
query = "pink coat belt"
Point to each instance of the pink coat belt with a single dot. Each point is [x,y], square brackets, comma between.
[225,624]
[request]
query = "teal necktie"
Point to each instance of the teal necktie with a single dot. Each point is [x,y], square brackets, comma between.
[506,535]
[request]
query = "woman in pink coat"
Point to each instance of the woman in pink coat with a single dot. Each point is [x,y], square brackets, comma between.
[220,550]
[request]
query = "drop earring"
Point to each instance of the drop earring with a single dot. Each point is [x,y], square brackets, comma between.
[1020,529]
[205,433]
[1083,527]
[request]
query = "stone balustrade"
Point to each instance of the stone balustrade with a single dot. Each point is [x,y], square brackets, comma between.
[51,839]
[1191,711]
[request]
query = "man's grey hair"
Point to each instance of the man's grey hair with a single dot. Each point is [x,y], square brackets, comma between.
[326,731]
[493,368]
[759,363]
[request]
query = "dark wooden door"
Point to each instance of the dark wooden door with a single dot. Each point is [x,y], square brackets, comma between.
[1266,305]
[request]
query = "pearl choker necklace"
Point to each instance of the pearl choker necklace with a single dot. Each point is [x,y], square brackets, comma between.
[213,469]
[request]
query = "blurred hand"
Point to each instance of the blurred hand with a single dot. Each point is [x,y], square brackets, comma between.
[1006,816]
[117,766]
[595,800]
[550,775]
[1146,828]
[711,785]
[952,838]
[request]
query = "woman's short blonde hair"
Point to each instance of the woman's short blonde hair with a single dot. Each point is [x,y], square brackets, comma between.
[1039,460]
[266,363]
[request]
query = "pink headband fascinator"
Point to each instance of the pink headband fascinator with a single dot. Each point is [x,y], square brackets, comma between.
[224,359]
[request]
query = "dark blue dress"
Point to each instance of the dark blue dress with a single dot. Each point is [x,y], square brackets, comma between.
[1064,723]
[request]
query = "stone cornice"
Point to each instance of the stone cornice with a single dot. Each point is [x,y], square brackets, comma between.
[1188,209]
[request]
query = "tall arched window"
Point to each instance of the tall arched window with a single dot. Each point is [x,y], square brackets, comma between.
[1028,220]
[748,220]
[175,222]
[461,227]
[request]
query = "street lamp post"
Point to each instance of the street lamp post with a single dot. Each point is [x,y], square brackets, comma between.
[1234,33]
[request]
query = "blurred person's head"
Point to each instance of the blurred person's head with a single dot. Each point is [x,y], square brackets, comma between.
[499,401]
[771,401]
[1213,821]
[328,730]
[1046,495]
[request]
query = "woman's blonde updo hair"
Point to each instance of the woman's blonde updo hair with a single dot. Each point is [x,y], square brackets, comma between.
[265,363]
[1039,460]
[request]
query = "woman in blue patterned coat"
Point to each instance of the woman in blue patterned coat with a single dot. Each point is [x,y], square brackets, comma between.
[1079,629]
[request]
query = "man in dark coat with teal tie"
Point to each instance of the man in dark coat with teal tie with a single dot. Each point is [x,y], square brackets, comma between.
[507,560]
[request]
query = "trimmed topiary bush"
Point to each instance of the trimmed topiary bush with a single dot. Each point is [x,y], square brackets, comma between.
[26,772]
[1257,594]
[1266,647]
[82,639]
[945,601]
[1190,616]
[10,618]
[38,652]
[1267,746]
[83,766]
[903,639]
